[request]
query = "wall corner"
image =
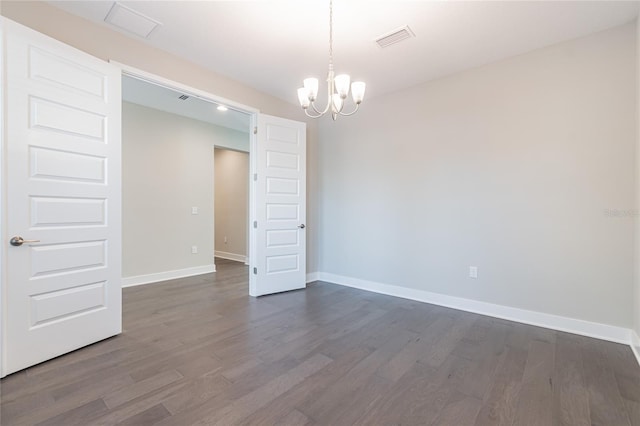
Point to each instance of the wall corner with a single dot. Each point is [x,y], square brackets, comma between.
[636,255]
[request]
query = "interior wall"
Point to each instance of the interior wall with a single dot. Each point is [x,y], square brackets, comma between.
[523,168]
[105,43]
[166,170]
[636,294]
[231,209]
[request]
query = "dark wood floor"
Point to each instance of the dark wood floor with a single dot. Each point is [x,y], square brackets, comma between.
[200,351]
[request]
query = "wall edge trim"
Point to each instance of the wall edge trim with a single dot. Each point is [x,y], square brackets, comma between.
[231,256]
[635,344]
[312,277]
[166,275]
[555,322]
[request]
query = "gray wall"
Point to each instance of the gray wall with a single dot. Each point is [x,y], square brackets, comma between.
[167,168]
[231,203]
[518,167]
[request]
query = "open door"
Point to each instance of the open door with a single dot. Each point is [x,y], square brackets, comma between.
[61,207]
[279,262]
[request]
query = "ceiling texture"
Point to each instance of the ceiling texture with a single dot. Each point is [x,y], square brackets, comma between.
[272,45]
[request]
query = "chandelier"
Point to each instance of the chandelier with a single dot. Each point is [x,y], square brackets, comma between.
[337,87]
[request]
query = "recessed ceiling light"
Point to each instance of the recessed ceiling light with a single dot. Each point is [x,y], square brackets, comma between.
[222,108]
[131,20]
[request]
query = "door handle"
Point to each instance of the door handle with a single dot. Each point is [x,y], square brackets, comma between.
[18,241]
[301,226]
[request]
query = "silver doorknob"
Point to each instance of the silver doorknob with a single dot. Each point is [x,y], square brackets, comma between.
[301,226]
[18,241]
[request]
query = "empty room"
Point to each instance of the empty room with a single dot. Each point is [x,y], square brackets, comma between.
[433,219]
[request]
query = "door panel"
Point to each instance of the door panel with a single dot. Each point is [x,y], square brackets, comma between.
[280,206]
[62,173]
[69,166]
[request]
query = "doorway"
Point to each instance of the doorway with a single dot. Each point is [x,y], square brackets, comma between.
[277,206]
[169,134]
[231,204]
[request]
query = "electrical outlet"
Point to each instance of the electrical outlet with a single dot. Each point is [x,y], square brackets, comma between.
[225,239]
[194,249]
[194,210]
[473,272]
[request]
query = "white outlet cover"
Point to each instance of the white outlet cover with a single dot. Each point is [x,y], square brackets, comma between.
[194,249]
[194,210]
[473,272]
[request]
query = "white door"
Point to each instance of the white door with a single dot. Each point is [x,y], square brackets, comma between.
[61,170]
[279,263]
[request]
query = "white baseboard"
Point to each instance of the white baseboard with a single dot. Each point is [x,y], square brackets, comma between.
[167,275]
[231,256]
[312,276]
[555,322]
[635,344]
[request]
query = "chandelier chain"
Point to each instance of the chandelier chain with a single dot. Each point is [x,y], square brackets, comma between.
[337,87]
[331,34]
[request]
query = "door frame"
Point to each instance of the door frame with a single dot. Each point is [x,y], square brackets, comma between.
[210,97]
[3,194]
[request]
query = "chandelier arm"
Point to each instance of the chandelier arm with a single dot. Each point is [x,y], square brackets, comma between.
[330,90]
[306,111]
[346,114]
[323,112]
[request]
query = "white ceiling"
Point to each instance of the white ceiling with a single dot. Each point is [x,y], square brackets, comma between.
[272,45]
[168,100]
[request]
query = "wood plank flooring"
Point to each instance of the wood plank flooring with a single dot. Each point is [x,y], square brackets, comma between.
[199,351]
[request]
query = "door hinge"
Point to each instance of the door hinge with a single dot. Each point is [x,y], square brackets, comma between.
[255,130]
[255,271]
[255,224]
[255,176]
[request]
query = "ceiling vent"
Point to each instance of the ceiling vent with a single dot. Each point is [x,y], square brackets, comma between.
[395,36]
[183,97]
[131,20]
